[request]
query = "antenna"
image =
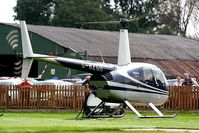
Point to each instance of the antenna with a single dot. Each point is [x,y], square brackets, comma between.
[101,56]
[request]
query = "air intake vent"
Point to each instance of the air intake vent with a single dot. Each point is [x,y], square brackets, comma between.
[108,76]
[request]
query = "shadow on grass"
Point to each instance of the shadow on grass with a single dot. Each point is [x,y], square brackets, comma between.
[22,130]
[86,131]
[84,118]
[76,118]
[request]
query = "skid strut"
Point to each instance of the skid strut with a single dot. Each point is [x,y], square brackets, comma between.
[90,114]
[160,115]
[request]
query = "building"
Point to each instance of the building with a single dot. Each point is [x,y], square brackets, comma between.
[173,54]
[11,54]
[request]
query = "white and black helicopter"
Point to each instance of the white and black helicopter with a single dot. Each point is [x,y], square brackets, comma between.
[125,83]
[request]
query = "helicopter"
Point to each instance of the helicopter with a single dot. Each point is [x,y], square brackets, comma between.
[125,83]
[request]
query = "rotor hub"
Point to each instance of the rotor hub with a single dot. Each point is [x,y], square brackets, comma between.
[124,23]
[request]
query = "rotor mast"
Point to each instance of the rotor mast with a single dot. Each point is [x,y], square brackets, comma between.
[124,56]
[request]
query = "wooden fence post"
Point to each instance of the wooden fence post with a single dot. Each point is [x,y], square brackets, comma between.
[74,96]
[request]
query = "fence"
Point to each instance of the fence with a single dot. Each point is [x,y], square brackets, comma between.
[42,96]
[59,96]
[182,97]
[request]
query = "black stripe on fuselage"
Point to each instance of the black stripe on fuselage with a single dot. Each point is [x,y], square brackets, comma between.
[124,80]
[130,89]
[87,66]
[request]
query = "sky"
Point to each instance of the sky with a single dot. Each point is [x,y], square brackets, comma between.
[6,10]
[6,13]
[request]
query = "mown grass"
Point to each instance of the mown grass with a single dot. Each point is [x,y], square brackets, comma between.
[20,122]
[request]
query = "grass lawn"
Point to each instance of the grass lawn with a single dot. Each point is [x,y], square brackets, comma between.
[21,122]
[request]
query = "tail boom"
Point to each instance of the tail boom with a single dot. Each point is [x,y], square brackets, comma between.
[83,65]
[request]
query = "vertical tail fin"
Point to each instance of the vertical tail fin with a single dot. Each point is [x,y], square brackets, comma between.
[27,63]
[26,44]
[27,50]
[124,56]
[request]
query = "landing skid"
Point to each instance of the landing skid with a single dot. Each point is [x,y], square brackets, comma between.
[160,115]
[105,116]
[172,116]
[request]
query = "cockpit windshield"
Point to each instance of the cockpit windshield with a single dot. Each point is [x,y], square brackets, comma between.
[150,76]
[159,77]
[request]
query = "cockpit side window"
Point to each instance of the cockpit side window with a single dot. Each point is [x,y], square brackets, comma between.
[148,77]
[159,78]
[136,74]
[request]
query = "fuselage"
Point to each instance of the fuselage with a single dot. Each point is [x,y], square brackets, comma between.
[139,83]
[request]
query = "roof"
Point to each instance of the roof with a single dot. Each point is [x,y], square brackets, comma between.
[171,68]
[174,68]
[144,46]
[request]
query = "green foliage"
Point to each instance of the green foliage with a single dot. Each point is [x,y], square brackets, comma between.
[71,13]
[169,12]
[135,9]
[155,16]
[175,16]
[34,11]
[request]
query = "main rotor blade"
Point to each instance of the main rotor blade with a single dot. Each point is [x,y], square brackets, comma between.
[111,22]
[103,22]
[135,19]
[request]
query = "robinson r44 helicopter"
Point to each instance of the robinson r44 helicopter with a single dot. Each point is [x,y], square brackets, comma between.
[125,83]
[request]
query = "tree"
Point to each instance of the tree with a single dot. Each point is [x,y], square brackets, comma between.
[133,8]
[71,13]
[34,11]
[190,12]
[175,15]
[169,16]
[137,8]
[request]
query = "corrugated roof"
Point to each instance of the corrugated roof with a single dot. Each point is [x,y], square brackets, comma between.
[142,45]
[171,68]
[174,68]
